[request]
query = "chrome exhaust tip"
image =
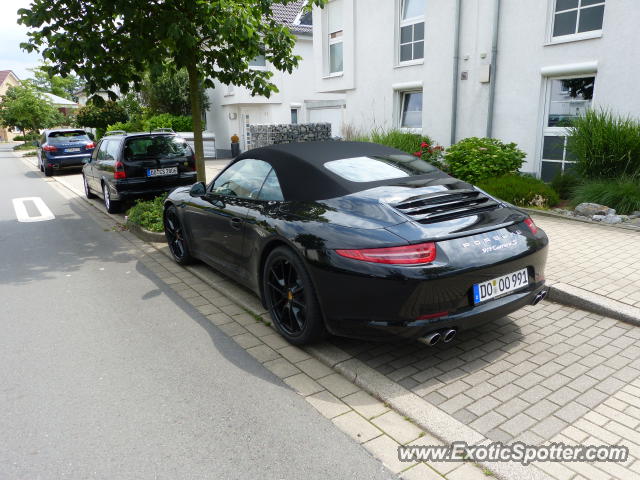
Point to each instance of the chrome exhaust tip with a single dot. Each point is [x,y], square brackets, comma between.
[432,338]
[539,297]
[449,335]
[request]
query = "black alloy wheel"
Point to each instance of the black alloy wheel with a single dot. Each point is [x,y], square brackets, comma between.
[175,237]
[290,298]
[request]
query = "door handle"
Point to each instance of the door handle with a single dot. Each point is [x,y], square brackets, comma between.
[236,223]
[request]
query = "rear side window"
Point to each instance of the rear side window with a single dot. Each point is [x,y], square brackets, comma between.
[113,149]
[70,136]
[375,169]
[165,146]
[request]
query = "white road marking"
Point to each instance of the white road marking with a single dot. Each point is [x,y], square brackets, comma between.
[23,215]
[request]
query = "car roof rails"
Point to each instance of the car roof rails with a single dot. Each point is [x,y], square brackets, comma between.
[162,130]
[115,132]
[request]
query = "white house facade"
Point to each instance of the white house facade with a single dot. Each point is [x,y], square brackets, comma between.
[517,70]
[233,109]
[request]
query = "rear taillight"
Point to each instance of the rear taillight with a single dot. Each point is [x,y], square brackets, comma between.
[405,255]
[90,146]
[119,172]
[532,226]
[49,148]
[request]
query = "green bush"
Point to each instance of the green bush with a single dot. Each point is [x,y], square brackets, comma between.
[605,145]
[29,137]
[133,125]
[564,184]
[622,194]
[148,213]
[475,159]
[179,123]
[411,143]
[521,190]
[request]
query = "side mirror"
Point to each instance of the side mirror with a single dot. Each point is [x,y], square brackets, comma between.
[198,190]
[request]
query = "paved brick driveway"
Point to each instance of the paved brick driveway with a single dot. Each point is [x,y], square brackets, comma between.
[599,259]
[545,373]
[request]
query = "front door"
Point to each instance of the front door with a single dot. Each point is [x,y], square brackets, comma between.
[217,221]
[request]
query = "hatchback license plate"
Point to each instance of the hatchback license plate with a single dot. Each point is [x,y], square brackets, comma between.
[500,286]
[161,172]
[71,150]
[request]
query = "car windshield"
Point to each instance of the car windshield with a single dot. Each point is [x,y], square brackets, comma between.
[162,146]
[375,169]
[68,136]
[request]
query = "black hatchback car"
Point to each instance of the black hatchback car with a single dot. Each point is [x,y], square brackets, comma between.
[62,149]
[131,165]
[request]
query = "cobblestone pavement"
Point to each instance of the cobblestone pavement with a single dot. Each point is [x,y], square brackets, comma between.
[546,373]
[602,260]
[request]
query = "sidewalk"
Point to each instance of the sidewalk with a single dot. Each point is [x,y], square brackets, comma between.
[598,259]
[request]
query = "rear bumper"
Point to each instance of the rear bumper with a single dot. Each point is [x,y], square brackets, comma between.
[133,188]
[61,162]
[472,318]
[374,306]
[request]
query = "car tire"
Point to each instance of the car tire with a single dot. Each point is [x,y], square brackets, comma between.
[40,165]
[290,298]
[48,171]
[176,239]
[110,205]
[87,189]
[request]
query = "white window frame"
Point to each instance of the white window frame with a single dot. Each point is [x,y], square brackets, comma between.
[297,110]
[406,23]
[576,36]
[548,131]
[334,37]
[401,97]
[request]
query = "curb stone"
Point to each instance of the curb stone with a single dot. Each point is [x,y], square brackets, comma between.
[144,234]
[592,302]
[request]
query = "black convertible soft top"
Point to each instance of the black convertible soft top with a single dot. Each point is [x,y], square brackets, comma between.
[303,176]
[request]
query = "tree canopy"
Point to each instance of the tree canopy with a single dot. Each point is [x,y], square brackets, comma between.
[168,92]
[101,116]
[24,108]
[65,87]
[113,42]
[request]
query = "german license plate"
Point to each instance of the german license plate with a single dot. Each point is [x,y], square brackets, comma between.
[71,150]
[500,286]
[161,172]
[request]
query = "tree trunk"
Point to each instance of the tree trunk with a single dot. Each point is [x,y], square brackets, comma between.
[196,115]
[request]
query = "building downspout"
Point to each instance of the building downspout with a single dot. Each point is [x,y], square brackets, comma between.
[494,67]
[456,71]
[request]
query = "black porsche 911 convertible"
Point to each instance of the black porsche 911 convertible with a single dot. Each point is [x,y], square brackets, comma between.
[360,240]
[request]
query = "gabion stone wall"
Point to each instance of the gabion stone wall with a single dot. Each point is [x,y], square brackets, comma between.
[263,135]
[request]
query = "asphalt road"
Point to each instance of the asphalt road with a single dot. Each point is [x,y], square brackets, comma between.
[105,373]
